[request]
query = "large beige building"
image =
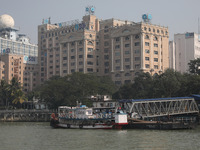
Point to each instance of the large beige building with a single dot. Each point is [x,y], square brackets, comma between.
[119,49]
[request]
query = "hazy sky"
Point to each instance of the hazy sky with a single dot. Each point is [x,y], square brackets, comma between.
[178,15]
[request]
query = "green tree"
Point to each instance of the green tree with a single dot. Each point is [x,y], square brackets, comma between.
[75,87]
[194,66]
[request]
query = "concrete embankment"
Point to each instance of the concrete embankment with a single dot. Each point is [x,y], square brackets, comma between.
[25,115]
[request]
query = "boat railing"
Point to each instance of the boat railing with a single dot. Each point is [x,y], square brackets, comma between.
[94,116]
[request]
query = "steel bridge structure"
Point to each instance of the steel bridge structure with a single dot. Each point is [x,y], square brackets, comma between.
[146,108]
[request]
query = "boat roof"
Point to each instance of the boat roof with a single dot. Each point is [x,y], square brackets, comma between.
[153,99]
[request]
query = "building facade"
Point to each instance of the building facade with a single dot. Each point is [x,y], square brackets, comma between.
[185,47]
[115,48]
[18,57]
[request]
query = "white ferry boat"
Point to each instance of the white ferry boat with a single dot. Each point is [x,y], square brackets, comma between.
[87,118]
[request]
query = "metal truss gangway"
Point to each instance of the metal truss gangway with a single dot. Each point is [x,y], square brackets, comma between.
[146,108]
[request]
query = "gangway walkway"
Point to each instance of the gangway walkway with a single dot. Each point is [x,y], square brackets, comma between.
[145,108]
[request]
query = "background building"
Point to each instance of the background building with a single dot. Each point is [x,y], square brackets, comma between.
[18,57]
[116,48]
[186,47]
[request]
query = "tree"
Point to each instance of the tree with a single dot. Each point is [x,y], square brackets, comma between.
[194,66]
[75,87]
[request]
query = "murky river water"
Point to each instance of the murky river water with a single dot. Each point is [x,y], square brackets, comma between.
[40,136]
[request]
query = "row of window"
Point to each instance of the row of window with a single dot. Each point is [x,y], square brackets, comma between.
[127,38]
[155,59]
[158,30]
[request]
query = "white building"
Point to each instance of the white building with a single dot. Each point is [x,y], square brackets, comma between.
[186,47]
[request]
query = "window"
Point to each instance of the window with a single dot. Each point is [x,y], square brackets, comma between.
[81,70]
[147,65]
[146,37]
[127,74]
[106,36]
[106,50]
[117,68]
[90,49]
[156,52]
[72,70]
[106,64]
[117,39]
[137,58]
[90,69]
[155,38]
[117,53]
[155,66]
[137,37]
[147,58]
[72,57]
[127,45]
[158,30]
[147,51]
[127,38]
[127,81]
[127,66]
[106,57]
[73,43]
[127,59]
[146,43]
[137,43]
[80,49]
[64,58]
[90,63]
[137,66]
[72,50]
[80,56]
[155,59]
[117,61]
[80,63]
[155,45]
[127,52]
[106,70]
[89,56]
[118,82]
[137,51]
[149,29]
[80,43]
[106,43]
[117,75]
[117,46]
[90,43]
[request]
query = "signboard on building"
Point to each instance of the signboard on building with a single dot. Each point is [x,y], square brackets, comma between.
[5,50]
[30,60]
[189,35]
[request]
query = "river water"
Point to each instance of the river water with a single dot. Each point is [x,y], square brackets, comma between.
[40,136]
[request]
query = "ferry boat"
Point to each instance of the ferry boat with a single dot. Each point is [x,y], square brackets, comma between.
[83,117]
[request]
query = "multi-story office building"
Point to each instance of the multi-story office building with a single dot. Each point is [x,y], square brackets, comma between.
[18,57]
[119,49]
[185,47]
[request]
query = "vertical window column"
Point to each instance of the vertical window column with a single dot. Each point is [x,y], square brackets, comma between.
[142,51]
[159,54]
[84,56]
[68,57]
[76,54]
[122,55]
[151,49]
[54,61]
[132,53]
[61,60]
[112,69]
